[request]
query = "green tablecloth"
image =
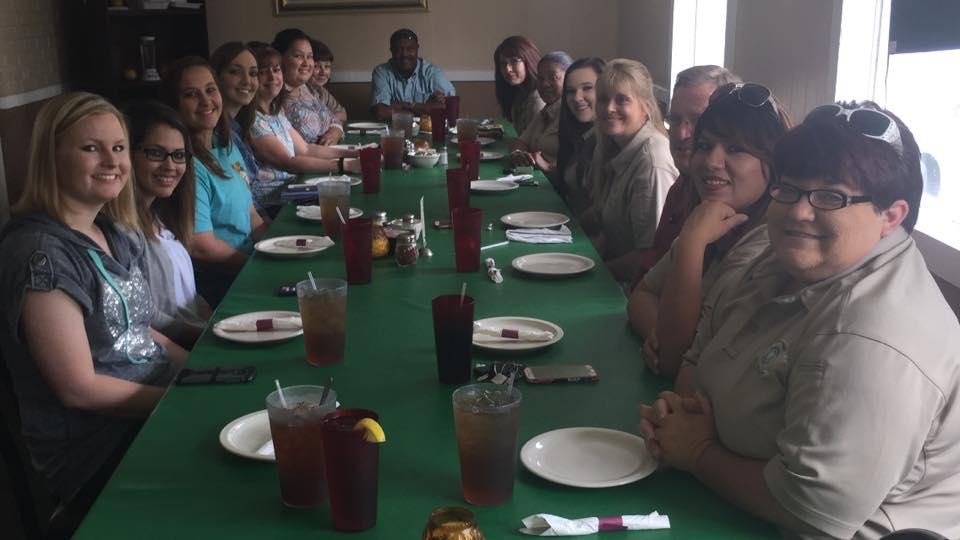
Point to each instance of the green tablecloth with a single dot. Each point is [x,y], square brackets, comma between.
[177,482]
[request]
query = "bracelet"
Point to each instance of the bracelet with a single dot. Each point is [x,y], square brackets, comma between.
[340,165]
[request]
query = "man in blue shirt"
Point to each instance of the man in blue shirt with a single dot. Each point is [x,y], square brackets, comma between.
[407,82]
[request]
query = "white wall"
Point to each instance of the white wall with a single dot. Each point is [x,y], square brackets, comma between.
[644,33]
[790,46]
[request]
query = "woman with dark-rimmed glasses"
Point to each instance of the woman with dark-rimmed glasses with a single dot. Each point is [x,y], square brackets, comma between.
[515,63]
[166,197]
[828,368]
[731,167]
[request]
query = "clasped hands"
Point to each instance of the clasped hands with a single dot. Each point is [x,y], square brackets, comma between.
[677,430]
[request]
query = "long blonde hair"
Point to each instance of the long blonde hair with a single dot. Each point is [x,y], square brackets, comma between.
[42,187]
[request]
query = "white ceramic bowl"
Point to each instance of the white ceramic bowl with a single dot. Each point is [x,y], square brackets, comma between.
[424,161]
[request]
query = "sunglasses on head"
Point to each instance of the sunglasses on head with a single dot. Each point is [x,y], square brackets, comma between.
[868,122]
[750,94]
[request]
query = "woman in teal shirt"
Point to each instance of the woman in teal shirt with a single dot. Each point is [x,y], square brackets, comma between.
[226,223]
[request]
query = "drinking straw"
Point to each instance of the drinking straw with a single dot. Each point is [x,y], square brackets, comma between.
[312,281]
[423,222]
[283,401]
[510,382]
[326,390]
[463,292]
[498,244]
[339,213]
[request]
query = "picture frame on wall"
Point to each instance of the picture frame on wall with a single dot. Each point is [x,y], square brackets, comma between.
[291,7]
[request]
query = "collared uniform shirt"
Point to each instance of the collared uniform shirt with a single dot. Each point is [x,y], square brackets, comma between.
[524,109]
[389,87]
[630,189]
[849,389]
[543,134]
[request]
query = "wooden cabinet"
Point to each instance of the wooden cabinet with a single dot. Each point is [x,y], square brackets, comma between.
[103,44]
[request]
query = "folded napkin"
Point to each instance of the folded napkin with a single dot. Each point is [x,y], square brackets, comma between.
[493,272]
[261,325]
[511,333]
[550,525]
[522,179]
[541,236]
[266,449]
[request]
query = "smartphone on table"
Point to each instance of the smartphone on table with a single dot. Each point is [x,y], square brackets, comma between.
[237,375]
[560,373]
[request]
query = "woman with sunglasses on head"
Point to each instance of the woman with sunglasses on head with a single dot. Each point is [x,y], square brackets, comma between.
[166,196]
[322,71]
[281,151]
[315,122]
[631,169]
[85,365]
[226,222]
[236,72]
[576,136]
[515,72]
[828,368]
[539,143]
[731,168]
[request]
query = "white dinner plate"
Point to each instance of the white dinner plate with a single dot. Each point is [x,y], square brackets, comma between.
[484,341]
[484,141]
[588,457]
[534,220]
[355,127]
[312,212]
[247,434]
[553,264]
[493,185]
[269,336]
[286,246]
[312,181]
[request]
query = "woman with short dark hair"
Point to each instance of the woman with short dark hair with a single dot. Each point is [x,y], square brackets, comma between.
[322,71]
[828,368]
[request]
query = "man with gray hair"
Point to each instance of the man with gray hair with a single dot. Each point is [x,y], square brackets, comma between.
[691,95]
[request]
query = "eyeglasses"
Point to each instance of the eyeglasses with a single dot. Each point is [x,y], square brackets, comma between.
[822,199]
[750,94]
[155,153]
[868,122]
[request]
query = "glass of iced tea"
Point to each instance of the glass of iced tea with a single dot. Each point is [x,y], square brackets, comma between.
[487,422]
[393,147]
[323,311]
[333,194]
[352,464]
[298,443]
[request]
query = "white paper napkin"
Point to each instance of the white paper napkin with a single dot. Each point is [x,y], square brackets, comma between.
[266,449]
[541,236]
[550,525]
[511,334]
[261,325]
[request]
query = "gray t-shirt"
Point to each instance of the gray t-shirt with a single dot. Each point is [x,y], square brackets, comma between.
[69,445]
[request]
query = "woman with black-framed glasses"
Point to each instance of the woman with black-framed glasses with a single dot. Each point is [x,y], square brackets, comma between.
[828,368]
[166,197]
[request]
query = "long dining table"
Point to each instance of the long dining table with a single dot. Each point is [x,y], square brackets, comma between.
[176,481]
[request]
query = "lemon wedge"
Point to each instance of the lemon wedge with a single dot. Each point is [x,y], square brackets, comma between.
[373,432]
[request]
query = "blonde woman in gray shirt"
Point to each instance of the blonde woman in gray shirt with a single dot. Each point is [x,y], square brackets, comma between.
[632,168]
